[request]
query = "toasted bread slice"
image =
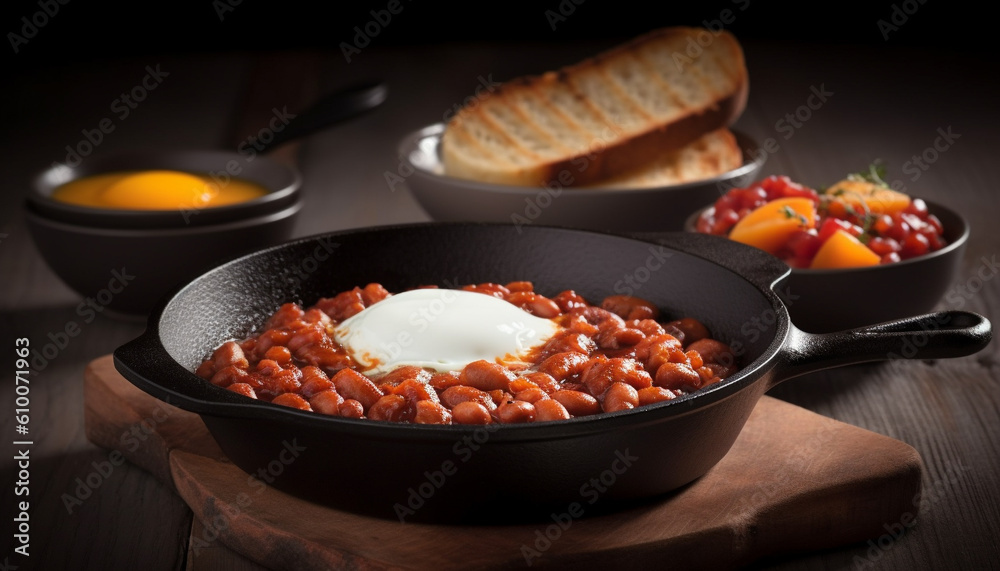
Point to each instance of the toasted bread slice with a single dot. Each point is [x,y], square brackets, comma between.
[604,116]
[708,156]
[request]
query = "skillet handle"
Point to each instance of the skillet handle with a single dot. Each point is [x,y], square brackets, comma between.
[931,336]
[755,265]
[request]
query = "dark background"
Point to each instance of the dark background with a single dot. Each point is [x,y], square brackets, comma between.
[88,31]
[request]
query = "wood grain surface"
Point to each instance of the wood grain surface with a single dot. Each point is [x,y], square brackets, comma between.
[888,102]
[793,481]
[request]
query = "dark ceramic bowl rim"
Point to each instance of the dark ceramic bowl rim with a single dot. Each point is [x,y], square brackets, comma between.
[961,236]
[752,160]
[288,210]
[45,206]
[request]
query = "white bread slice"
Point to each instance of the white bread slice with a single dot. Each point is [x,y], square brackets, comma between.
[708,156]
[602,117]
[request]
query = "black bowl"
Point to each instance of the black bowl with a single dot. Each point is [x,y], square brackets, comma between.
[658,209]
[282,182]
[462,473]
[126,270]
[821,301]
[125,260]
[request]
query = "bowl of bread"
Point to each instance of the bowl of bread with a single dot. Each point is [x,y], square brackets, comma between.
[632,139]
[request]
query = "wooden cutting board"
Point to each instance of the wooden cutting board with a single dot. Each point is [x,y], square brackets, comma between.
[793,481]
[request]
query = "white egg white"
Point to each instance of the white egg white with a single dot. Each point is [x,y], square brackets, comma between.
[440,330]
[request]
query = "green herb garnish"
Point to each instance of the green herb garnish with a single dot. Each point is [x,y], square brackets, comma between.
[791,213]
[874,175]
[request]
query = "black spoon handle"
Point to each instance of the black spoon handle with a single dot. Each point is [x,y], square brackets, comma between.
[330,110]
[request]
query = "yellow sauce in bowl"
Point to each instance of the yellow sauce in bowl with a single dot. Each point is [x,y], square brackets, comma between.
[155,190]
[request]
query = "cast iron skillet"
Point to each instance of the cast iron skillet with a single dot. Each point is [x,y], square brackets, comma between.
[463,474]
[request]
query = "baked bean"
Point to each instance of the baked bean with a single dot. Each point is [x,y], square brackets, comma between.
[242,389]
[343,305]
[693,329]
[254,380]
[430,412]
[677,377]
[649,395]
[453,396]
[515,412]
[630,307]
[620,397]
[614,337]
[441,381]
[269,339]
[283,381]
[318,317]
[470,412]
[550,409]
[268,367]
[415,390]
[578,324]
[404,373]
[568,300]
[713,351]
[705,378]
[351,408]
[664,355]
[284,315]
[569,342]
[353,385]
[626,353]
[293,400]
[495,290]
[694,359]
[605,372]
[707,375]
[279,354]
[314,381]
[327,402]
[593,372]
[308,335]
[373,293]
[596,315]
[531,395]
[229,375]
[499,397]
[563,365]
[520,286]
[542,380]
[520,384]
[649,327]
[393,408]
[324,357]
[486,376]
[534,304]
[229,353]
[577,403]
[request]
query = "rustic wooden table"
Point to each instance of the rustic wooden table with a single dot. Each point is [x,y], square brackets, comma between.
[931,117]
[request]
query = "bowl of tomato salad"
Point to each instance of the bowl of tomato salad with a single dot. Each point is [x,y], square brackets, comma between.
[855,235]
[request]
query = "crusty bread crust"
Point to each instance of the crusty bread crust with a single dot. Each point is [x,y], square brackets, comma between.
[708,156]
[603,116]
